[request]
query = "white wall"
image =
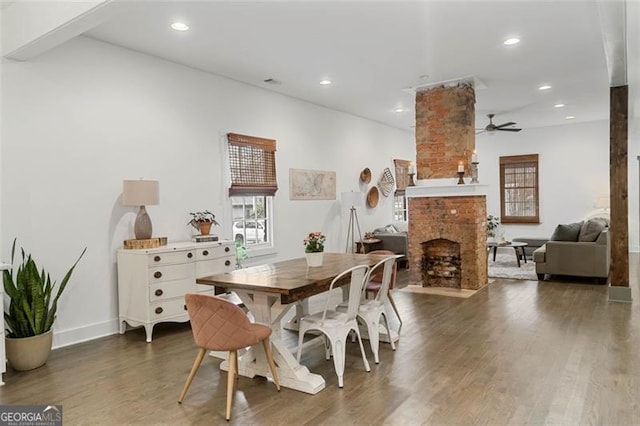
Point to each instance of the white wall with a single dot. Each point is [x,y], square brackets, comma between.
[83,117]
[573,165]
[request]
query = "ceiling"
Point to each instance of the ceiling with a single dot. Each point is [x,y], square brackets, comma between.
[377,52]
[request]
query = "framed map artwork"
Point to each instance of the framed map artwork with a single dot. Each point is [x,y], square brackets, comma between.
[312,185]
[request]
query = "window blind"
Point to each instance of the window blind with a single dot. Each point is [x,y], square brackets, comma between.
[252,164]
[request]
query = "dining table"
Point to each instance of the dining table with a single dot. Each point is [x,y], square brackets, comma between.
[269,291]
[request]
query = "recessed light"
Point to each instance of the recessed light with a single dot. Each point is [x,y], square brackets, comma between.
[399,110]
[325,82]
[511,41]
[544,87]
[569,117]
[558,106]
[179,26]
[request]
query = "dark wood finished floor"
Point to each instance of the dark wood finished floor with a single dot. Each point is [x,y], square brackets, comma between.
[517,352]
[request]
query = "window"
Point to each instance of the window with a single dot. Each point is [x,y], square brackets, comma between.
[519,189]
[252,220]
[252,166]
[402,180]
[400,208]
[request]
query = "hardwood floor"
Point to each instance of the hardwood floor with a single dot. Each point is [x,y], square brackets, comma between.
[517,352]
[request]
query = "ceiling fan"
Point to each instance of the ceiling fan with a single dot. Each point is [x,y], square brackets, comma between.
[501,127]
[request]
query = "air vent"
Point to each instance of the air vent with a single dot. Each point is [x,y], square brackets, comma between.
[272,81]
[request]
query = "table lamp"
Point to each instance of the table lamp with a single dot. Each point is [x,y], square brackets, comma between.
[603,203]
[352,199]
[141,193]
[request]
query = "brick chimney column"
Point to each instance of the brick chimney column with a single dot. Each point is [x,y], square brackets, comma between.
[445,130]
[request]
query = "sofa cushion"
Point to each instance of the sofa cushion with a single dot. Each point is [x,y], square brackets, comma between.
[568,232]
[591,229]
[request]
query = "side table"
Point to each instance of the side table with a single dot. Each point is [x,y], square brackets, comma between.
[366,246]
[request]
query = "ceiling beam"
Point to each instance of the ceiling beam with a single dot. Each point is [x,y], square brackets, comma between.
[31,28]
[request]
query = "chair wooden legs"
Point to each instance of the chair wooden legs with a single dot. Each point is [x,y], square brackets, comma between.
[272,365]
[231,377]
[192,374]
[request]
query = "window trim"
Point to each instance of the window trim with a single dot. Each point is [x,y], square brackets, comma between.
[514,160]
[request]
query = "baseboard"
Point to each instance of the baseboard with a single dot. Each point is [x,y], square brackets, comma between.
[83,334]
[620,294]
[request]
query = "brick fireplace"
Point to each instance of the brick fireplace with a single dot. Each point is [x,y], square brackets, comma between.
[447,221]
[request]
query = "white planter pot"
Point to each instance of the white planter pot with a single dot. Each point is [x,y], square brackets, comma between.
[314,259]
[28,353]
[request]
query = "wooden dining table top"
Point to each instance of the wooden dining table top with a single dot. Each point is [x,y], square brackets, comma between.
[292,279]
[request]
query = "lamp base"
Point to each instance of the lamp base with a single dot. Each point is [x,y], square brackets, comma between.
[142,229]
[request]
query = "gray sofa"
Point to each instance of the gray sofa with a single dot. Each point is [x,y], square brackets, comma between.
[583,258]
[392,239]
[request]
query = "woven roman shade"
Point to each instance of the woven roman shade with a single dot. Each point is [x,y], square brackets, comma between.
[402,176]
[252,163]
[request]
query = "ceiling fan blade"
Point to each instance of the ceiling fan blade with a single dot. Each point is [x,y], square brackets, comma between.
[509,130]
[481,131]
[511,123]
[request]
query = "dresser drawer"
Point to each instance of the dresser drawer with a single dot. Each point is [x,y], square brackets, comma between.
[170,289]
[170,258]
[167,308]
[219,265]
[210,252]
[171,273]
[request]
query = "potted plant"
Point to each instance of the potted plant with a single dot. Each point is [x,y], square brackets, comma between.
[202,221]
[314,248]
[492,226]
[32,311]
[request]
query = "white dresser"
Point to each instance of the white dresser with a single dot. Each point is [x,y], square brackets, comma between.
[152,282]
[3,360]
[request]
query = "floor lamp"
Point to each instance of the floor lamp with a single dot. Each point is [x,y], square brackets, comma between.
[352,199]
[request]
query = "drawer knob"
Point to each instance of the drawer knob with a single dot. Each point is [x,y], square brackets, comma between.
[227,249]
[189,255]
[157,258]
[159,310]
[158,274]
[205,253]
[159,292]
[227,262]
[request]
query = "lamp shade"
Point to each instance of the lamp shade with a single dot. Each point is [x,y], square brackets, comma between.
[352,199]
[140,192]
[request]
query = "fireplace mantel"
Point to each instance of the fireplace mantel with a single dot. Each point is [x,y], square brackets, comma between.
[444,188]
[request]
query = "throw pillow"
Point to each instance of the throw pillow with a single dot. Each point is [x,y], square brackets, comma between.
[590,230]
[391,229]
[568,232]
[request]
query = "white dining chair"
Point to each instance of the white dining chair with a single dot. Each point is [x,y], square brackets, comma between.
[336,326]
[371,310]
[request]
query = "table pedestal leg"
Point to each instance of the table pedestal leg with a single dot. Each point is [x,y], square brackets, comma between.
[267,309]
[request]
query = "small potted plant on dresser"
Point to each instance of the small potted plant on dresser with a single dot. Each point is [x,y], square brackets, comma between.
[202,221]
[31,312]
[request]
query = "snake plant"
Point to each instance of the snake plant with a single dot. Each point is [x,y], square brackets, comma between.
[32,310]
